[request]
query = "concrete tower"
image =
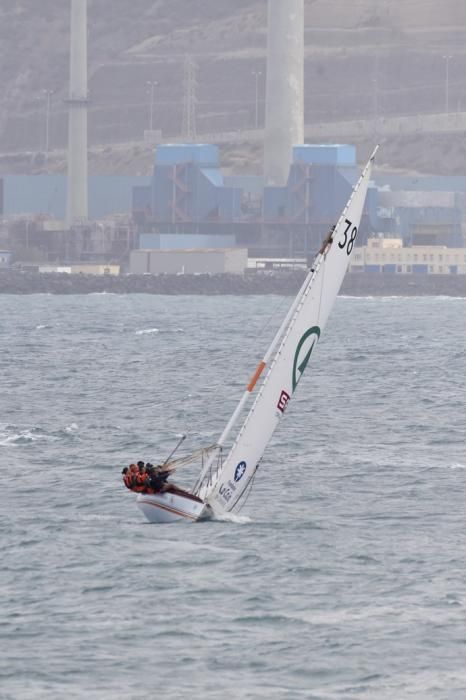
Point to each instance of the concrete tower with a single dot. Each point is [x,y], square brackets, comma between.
[284,107]
[77,211]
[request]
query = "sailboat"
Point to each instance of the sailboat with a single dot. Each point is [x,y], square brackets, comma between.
[224,479]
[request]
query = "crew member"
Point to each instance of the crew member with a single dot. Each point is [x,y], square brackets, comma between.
[128,477]
[133,470]
[140,478]
[157,479]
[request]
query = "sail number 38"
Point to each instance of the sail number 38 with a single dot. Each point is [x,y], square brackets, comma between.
[349,239]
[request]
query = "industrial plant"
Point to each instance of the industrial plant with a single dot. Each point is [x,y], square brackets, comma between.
[189,215]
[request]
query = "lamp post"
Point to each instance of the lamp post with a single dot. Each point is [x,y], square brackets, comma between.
[257,74]
[447,82]
[48,96]
[152,85]
[375,83]
[376,98]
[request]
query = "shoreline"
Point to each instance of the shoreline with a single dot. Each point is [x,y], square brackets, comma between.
[255,283]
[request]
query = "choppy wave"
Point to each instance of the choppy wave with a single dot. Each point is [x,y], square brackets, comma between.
[26,436]
[343,574]
[12,435]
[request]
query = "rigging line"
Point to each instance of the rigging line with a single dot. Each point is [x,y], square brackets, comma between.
[191,457]
[322,287]
[273,315]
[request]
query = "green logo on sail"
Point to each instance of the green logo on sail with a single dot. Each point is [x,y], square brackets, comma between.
[304,352]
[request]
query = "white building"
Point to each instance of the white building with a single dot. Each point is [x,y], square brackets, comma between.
[189,261]
[389,255]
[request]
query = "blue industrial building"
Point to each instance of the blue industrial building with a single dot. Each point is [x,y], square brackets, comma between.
[188,195]
[319,184]
[430,226]
[422,210]
[315,173]
[31,195]
[187,186]
[188,202]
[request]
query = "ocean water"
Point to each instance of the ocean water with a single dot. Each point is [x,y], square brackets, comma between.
[343,576]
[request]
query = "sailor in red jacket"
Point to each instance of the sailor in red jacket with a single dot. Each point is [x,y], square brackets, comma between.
[141,478]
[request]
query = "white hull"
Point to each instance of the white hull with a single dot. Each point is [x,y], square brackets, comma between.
[169,507]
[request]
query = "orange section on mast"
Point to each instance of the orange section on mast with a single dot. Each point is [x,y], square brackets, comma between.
[256,376]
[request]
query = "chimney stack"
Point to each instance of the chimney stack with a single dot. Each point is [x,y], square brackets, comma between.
[284,109]
[77,206]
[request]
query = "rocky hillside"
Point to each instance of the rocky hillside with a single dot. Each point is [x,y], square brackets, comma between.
[363,57]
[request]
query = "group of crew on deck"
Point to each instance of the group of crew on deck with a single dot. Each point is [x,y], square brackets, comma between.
[145,478]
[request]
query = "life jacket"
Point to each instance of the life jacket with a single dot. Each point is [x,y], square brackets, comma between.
[139,482]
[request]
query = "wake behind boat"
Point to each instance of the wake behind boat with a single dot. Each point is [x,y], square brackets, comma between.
[224,480]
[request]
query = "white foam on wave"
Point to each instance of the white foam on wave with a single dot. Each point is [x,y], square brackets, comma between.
[147,331]
[25,437]
[13,436]
[233,518]
[359,297]
[457,465]
[95,516]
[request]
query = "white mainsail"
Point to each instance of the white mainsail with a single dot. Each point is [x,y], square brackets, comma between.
[296,340]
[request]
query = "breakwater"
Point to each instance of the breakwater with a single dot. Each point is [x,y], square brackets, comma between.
[276,282]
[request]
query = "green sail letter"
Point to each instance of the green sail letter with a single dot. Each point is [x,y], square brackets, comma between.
[298,370]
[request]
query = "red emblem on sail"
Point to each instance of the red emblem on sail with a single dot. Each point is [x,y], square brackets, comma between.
[283,401]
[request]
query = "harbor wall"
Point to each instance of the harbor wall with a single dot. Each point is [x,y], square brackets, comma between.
[276,282]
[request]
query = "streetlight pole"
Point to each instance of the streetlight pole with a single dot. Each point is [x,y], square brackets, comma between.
[376,98]
[152,85]
[447,83]
[257,74]
[48,96]
[376,103]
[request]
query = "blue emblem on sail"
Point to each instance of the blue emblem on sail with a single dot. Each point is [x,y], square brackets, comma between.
[239,471]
